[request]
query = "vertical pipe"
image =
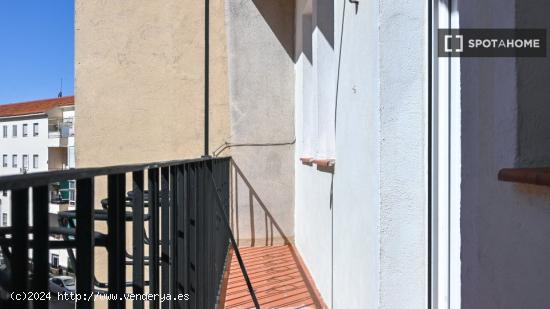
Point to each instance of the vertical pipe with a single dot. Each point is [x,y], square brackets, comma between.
[430,153]
[116,226]
[85,240]
[137,237]
[206,74]
[40,243]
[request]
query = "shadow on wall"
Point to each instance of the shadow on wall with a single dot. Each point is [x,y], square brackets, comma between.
[325,20]
[251,222]
[280,16]
[533,136]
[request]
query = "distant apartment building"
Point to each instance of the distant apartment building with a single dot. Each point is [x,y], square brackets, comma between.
[38,136]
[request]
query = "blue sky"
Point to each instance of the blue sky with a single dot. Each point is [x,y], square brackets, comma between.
[36,49]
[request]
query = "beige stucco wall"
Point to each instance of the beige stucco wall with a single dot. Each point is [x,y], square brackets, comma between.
[139,80]
[139,84]
[139,90]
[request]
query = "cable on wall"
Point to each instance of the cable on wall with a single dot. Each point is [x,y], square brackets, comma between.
[227,145]
[335,121]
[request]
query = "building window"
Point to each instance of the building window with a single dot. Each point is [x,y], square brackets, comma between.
[318,137]
[5,131]
[14,130]
[5,192]
[25,130]
[4,219]
[35,161]
[14,161]
[25,162]
[5,161]
[72,187]
[35,129]
[55,260]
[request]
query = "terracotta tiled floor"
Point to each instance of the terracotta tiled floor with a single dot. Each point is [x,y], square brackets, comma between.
[278,277]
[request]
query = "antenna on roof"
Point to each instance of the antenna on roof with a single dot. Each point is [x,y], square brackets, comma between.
[60,94]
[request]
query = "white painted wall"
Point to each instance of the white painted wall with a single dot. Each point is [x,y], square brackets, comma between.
[368,249]
[313,188]
[403,182]
[357,199]
[29,145]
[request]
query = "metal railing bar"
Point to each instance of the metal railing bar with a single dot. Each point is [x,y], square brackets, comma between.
[59,244]
[116,226]
[206,215]
[85,235]
[201,218]
[191,205]
[153,182]
[12,182]
[172,231]
[165,232]
[137,237]
[20,250]
[40,244]
[53,230]
[235,247]
[180,227]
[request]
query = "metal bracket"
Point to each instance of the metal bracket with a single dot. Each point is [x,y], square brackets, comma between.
[356,2]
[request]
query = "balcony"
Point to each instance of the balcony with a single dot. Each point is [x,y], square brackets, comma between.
[60,132]
[62,194]
[181,241]
[279,278]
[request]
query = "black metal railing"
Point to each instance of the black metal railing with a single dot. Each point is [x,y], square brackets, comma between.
[182,217]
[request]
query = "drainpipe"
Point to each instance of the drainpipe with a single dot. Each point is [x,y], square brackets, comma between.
[206,75]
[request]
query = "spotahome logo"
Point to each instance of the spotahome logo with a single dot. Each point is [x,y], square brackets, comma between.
[492,42]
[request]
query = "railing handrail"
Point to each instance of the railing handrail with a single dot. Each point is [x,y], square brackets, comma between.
[179,200]
[235,246]
[19,181]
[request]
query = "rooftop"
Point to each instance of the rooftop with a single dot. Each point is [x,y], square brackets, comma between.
[34,107]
